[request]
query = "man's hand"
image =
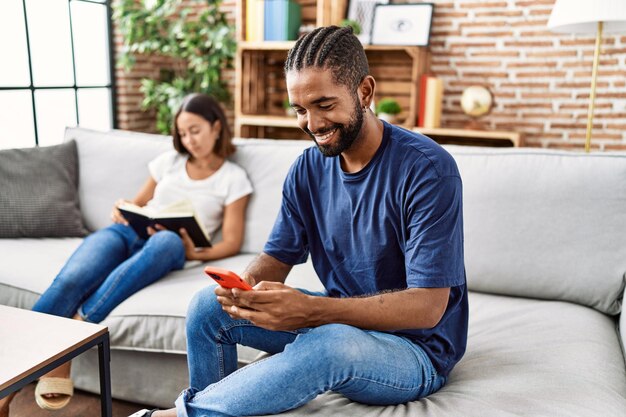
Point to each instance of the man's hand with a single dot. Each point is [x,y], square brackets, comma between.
[226,297]
[271,305]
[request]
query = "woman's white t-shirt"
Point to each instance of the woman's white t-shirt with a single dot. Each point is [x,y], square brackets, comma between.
[208,196]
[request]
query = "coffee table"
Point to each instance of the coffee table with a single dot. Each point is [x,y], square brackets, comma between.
[32,344]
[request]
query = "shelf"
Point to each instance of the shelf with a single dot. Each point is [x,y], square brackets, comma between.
[472,137]
[266,45]
[287,45]
[273,121]
[260,87]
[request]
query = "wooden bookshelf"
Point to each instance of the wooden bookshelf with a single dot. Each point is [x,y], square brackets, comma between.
[260,88]
[472,137]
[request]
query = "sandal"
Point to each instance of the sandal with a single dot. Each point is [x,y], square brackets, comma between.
[144,413]
[61,386]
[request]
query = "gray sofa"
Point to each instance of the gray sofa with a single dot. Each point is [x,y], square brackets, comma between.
[545,257]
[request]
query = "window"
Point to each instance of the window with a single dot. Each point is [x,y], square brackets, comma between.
[56,70]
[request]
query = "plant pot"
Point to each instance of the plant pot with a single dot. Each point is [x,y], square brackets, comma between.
[389,118]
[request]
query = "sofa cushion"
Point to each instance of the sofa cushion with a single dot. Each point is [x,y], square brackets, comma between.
[563,211]
[151,320]
[99,185]
[39,192]
[29,266]
[267,163]
[545,224]
[524,357]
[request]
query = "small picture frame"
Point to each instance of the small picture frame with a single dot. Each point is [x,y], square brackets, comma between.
[402,24]
[362,12]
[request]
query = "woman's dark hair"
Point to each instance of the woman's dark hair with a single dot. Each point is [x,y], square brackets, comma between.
[209,109]
[334,48]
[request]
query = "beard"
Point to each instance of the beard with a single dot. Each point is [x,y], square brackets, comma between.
[347,134]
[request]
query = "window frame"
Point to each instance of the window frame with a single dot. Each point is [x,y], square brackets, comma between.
[111,85]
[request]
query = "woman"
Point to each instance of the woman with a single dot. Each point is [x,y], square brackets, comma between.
[114,263]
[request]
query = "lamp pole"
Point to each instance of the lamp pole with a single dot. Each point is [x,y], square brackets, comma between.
[592,94]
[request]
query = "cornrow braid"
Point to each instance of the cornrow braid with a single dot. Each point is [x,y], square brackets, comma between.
[332,39]
[294,58]
[314,47]
[331,48]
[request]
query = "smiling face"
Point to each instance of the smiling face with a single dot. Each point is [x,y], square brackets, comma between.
[328,112]
[197,135]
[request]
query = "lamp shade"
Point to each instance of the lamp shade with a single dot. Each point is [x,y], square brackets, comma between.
[582,16]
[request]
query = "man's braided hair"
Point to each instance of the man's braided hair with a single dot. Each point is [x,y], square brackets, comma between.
[333,48]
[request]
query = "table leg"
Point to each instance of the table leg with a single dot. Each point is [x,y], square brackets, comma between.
[104,360]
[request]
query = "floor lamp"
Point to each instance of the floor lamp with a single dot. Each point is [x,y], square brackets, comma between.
[589,16]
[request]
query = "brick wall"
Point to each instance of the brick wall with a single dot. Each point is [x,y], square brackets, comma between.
[540,79]
[129,98]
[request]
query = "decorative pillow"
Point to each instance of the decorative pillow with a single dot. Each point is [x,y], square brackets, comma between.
[38,192]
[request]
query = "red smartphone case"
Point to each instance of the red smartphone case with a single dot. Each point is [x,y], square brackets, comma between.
[226,278]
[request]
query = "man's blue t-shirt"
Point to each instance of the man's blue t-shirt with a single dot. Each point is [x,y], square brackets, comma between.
[396,224]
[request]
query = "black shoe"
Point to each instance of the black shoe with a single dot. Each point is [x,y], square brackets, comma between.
[143,413]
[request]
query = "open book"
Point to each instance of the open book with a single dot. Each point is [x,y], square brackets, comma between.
[173,217]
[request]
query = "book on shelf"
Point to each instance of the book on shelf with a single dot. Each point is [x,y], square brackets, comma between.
[430,99]
[173,217]
[282,20]
[255,17]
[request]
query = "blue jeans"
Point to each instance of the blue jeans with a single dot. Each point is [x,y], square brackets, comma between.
[370,367]
[108,267]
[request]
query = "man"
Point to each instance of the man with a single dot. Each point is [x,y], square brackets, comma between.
[379,211]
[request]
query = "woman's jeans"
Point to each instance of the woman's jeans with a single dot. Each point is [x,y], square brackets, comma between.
[108,267]
[370,367]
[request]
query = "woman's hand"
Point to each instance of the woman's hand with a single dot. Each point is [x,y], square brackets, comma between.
[191,253]
[152,230]
[116,215]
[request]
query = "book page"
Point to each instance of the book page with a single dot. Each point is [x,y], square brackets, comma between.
[133,208]
[182,207]
[140,218]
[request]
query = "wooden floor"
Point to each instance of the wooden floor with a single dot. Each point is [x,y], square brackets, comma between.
[83,404]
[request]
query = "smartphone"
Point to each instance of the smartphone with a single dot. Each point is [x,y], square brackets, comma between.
[226,278]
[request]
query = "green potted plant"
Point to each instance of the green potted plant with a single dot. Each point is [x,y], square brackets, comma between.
[388,109]
[202,47]
[356,27]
